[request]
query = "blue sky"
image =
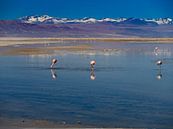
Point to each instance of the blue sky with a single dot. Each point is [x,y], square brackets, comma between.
[13,9]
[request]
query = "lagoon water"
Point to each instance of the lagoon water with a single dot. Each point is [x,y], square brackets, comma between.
[127,88]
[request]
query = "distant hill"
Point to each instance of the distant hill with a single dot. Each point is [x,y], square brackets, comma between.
[46,26]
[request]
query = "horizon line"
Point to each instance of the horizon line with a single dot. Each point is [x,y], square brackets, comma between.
[86,17]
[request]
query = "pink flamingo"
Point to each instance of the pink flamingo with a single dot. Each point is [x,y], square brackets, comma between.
[54,61]
[92,63]
[92,75]
[159,62]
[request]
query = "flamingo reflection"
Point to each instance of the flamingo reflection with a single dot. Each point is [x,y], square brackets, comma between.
[159,74]
[53,73]
[156,50]
[92,74]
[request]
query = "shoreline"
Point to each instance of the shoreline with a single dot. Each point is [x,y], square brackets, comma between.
[40,46]
[6,41]
[21,123]
[85,39]
[43,50]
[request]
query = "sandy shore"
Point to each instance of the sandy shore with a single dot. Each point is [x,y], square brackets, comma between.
[6,41]
[42,50]
[9,123]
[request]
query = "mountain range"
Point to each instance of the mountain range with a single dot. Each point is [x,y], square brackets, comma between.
[46,26]
[45,19]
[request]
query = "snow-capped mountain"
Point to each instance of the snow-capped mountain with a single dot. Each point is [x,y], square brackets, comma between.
[161,21]
[45,19]
[112,20]
[48,19]
[35,19]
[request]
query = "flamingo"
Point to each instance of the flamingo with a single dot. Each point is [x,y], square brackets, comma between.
[92,63]
[54,61]
[92,75]
[156,49]
[159,75]
[159,62]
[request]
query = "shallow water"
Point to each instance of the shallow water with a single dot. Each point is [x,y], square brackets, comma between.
[126,88]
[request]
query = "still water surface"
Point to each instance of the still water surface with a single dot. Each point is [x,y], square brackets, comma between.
[126,88]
